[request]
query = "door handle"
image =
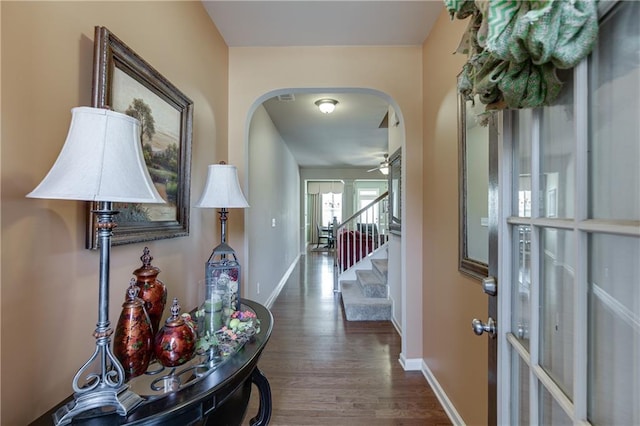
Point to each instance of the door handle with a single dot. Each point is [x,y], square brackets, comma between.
[479,327]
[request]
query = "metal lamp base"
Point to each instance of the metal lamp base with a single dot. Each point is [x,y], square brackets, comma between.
[106,387]
[123,401]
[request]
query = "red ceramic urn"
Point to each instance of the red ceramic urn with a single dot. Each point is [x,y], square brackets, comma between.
[152,291]
[175,343]
[133,339]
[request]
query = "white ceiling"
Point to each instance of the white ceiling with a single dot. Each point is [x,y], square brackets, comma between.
[350,136]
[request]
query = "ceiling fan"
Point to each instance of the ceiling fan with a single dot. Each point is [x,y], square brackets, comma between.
[383,167]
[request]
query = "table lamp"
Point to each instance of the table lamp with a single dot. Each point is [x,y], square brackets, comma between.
[102,161]
[222,190]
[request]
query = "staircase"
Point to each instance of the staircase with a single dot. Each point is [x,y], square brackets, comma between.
[366,297]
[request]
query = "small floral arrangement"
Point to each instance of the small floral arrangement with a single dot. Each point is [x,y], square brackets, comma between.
[187,319]
[243,325]
[206,341]
[244,321]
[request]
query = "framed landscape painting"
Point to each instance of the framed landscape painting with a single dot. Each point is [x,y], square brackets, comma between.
[124,82]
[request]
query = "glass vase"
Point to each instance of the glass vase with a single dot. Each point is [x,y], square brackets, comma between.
[223,269]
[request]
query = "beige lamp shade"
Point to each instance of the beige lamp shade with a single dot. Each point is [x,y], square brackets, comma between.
[222,189]
[101,160]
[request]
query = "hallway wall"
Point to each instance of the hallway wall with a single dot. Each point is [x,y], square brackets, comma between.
[273,195]
[456,357]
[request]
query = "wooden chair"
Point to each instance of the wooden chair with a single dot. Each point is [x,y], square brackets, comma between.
[323,234]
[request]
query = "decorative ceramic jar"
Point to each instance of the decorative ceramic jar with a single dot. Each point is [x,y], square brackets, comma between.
[132,342]
[152,291]
[175,343]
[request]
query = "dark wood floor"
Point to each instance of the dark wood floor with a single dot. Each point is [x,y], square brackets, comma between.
[324,370]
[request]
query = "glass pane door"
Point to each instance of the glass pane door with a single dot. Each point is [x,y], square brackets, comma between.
[571,230]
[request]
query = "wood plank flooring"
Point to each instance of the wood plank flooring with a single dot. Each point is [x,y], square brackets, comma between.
[324,370]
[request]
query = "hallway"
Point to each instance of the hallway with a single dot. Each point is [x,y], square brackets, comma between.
[324,370]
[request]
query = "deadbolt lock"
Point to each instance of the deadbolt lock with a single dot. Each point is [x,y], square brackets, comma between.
[489,286]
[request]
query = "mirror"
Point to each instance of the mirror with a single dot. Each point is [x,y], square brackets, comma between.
[395,192]
[473,169]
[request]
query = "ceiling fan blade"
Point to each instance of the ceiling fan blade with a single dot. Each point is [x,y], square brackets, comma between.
[384,164]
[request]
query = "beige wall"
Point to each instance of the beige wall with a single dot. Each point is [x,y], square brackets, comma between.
[49,281]
[456,357]
[393,71]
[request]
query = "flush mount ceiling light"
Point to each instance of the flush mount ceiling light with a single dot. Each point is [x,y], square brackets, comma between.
[326,106]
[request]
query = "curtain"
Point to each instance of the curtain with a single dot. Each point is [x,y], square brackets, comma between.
[314,203]
[315,189]
[336,186]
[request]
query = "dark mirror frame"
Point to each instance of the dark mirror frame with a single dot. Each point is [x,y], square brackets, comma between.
[395,192]
[472,267]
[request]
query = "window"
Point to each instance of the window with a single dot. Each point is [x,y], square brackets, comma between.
[331,207]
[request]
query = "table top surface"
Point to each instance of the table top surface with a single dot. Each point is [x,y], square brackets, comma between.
[199,383]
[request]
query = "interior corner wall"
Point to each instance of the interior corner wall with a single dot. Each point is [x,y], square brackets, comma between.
[394,273]
[391,70]
[395,133]
[49,290]
[273,224]
[456,357]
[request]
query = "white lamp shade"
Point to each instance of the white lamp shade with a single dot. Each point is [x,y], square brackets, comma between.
[222,189]
[101,160]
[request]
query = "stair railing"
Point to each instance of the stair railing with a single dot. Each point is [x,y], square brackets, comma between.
[362,233]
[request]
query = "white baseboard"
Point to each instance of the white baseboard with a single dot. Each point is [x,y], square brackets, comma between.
[396,325]
[276,291]
[411,364]
[446,403]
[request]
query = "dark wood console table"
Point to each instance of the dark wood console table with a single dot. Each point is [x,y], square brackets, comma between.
[219,398]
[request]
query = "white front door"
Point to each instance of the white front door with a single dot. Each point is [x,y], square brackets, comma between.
[569,294]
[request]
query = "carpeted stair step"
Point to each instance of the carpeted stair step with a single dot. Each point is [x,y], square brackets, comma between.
[357,307]
[371,284]
[380,267]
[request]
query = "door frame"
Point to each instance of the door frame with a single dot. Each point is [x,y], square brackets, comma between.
[503,267]
[495,214]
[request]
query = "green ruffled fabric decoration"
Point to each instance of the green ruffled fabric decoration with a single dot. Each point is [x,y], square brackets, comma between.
[528,85]
[559,31]
[460,8]
[515,46]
